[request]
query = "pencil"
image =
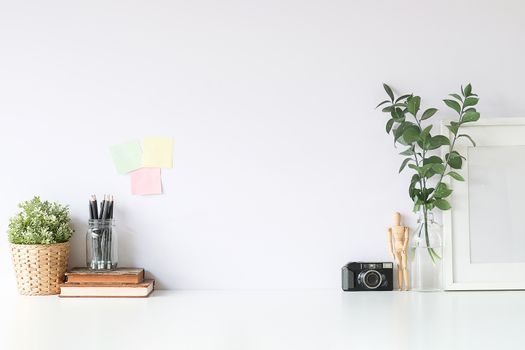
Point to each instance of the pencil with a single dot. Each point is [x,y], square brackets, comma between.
[95,207]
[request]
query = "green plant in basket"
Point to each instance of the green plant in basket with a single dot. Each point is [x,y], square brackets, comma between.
[40,222]
[414,130]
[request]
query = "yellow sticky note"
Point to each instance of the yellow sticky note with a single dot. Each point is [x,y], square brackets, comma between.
[157,152]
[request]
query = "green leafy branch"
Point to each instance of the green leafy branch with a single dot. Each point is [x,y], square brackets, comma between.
[413,129]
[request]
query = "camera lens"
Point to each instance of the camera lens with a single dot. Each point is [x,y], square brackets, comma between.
[371,279]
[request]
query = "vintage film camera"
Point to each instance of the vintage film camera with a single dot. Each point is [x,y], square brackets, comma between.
[363,276]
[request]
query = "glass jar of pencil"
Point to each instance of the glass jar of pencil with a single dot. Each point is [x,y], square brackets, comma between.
[102,245]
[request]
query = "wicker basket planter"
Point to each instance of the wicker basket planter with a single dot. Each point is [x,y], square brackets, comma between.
[40,268]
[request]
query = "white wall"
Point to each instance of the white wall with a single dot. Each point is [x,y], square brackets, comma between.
[282,169]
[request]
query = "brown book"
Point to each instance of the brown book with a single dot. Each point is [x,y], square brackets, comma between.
[107,290]
[120,275]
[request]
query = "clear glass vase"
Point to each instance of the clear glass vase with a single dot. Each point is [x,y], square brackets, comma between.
[101,245]
[426,255]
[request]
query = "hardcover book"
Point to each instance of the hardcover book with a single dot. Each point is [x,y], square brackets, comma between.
[120,275]
[105,290]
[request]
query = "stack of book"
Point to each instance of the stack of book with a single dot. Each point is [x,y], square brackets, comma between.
[121,283]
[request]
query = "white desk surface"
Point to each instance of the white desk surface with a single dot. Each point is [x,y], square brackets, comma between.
[289,319]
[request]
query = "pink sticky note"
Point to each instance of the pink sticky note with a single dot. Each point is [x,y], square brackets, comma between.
[146,181]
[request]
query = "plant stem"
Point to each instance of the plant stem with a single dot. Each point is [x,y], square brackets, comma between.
[424,178]
[450,149]
[422,181]
[427,238]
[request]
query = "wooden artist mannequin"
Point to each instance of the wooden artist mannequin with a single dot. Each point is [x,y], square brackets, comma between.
[398,245]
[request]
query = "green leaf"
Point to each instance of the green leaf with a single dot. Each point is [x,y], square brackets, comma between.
[442,204]
[453,104]
[424,144]
[455,176]
[432,160]
[424,169]
[470,117]
[402,141]
[414,180]
[453,127]
[468,90]
[438,141]
[382,103]
[470,101]
[426,131]
[394,113]
[398,115]
[454,160]
[400,98]
[456,154]
[389,125]
[468,137]
[415,194]
[387,109]
[408,152]
[411,192]
[428,113]
[413,166]
[456,96]
[399,104]
[430,172]
[411,134]
[424,138]
[426,192]
[389,91]
[413,104]
[403,165]
[398,132]
[442,191]
[421,170]
[438,168]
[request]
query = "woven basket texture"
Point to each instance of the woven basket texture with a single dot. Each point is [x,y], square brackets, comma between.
[40,268]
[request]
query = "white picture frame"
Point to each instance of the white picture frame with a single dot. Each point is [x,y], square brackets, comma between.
[484,243]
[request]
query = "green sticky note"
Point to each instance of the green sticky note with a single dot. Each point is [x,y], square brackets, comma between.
[127,156]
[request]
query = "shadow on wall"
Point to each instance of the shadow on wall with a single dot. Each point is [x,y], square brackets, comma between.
[77,255]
